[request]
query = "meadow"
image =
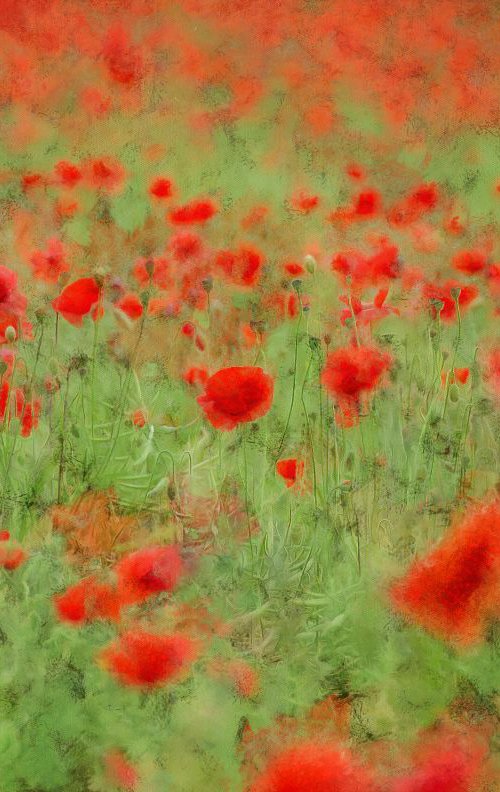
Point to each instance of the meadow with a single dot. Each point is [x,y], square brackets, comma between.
[249,398]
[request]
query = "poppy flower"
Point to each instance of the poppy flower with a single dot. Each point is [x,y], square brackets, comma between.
[241,267]
[290,470]
[304,203]
[139,418]
[67,174]
[293,268]
[366,313]
[30,416]
[353,372]
[105,174]
[455,588]
[195,376]
[364,270]
[119,771]
[243,677]
[235,395]
[147,572]
[492,371]
[448,763]
[155,269]
[470,262]
[441,301]
[124,61]
[185,245]
[317,766]
[144,659]
[255,216]
[86,601]
[197,211]
[48,265]
[12,302]
[161,188]
[131,305]
[77,300]
[11,557]
[460,375]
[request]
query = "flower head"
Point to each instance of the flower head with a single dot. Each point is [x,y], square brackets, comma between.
[144,659]
[235,395]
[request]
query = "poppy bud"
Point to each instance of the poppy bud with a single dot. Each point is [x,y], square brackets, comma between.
[171,492]
[297,285]
[310,263]
[10,334]
[454,394]
[207,284]
[455,292]
[149,266]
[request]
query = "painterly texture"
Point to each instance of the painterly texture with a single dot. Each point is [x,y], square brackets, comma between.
[249,396]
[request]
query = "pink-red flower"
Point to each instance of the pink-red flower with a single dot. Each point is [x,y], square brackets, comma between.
[235,395]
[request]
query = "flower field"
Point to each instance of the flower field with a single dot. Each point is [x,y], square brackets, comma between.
[249,397]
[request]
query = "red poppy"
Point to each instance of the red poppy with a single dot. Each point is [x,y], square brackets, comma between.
[139,418]
[256,215]
[145,659]
[124,61]
[147,572]
[77,300]
[293,268]
[12,302]
[352,372]
[366,270]
[366,313]
[30,416]
[48,265]
[155,269]
[452,763]
[492,370]
[290,470]
[241,267]
[197,211]
[67,174]
[455,589]
[195,376]
[410,209]
[311,766]
[460,375]
[304,203]
[235,395]
[436,294]
[470,262]
[185,245]
[86,601]
[131,305]
[355,171]
[105,174]
[11,557]
[161,188]
[120,771]
[367,203]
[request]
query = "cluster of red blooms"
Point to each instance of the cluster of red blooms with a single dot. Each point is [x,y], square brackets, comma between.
[138,657]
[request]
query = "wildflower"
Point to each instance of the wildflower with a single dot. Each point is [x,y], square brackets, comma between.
[460,375]
[492,370]
[195,376]
[11,557]
[366,313]
[131,305]
[86,601]
[455,589]
[235,395]
[198,211]
[242,267]
[139,418]
[105,174]
[290,470]
[441,301]
[144,659]
[352,372]
[161,188]
[308,766]
[156,270]
[67,174]
[124,61]
[77,300]
[120,771]
[48,265]
[185,245]
[304,203]
[293,268]
[147,572]
[470,262]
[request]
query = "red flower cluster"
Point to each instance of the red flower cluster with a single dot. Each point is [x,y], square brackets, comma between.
[455,589]
[235,395]
[441,301]
[351,373]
